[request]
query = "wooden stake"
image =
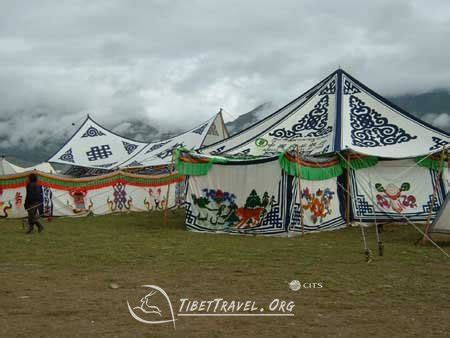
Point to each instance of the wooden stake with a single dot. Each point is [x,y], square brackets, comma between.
[348,199]
[300,189]
[435,189]
[166,209]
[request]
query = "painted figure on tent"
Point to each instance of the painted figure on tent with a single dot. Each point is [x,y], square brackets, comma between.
[18,199]
[317,203]
[79,196]
[120,198]
[218,209]
[156,201]
[254,210]
[4,207]
[394,198]
[46,207]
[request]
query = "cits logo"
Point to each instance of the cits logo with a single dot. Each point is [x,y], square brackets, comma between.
[152,306]
[295,285]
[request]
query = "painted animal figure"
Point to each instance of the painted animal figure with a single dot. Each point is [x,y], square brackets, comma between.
[249,217]
[5,209]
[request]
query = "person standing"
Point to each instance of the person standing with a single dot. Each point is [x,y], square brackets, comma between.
[33,201]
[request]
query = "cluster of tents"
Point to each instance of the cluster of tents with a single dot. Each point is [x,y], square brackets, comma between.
[337,154]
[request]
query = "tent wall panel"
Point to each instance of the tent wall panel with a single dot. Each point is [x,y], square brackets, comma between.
[321,206]
[260,198]
[393,190]
[117,192]
[243,198]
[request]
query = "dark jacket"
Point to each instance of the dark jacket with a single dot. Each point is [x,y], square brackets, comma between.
[34,195]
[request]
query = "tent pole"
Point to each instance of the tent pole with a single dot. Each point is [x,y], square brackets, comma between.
[300,190]
[378,227]
[433,198]
[347,211]
[166,209]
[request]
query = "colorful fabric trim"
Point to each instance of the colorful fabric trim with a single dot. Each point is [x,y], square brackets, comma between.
[322,169]
[358,161]
[90,183]
[189,164]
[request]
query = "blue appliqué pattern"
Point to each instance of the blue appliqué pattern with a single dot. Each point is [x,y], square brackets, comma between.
[99,152]
[135,164]
[312,125]
[329,89]
[200,129]
[156,146]
[350,88]
[67,156]
[438,143]
[129,147]
[169,151]
[93,132]
[370,129]
[218,150]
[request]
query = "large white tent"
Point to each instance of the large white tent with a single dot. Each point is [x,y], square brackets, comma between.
[338,153]
[94,146]
[339,113]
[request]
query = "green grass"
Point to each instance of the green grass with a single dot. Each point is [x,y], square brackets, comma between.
[64,275]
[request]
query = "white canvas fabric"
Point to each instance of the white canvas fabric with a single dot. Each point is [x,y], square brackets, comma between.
[260,139]
[7,168]
[441,224]
[257,197]
[44,167]
[217,131]
[393,190]
[321,206]
[114,198]
[373,126]
[236,199]
[94,146]
[160,153]
[339,113]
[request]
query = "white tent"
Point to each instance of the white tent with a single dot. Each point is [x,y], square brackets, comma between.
[7,168]
[360,158]
[94,146]
[160,153]
[339,113]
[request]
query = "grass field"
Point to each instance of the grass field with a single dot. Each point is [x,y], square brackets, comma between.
[58,283]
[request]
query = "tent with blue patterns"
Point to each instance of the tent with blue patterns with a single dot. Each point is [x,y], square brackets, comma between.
[94,146]
[340,152]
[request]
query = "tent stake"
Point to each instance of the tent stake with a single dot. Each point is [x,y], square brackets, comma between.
[166,209]
[300,190]
[433,198]
[347,211]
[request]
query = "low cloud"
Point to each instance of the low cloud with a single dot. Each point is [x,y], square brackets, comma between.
[440,120]
[172,65]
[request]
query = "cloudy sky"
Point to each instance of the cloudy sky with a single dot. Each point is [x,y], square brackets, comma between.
[174,63]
